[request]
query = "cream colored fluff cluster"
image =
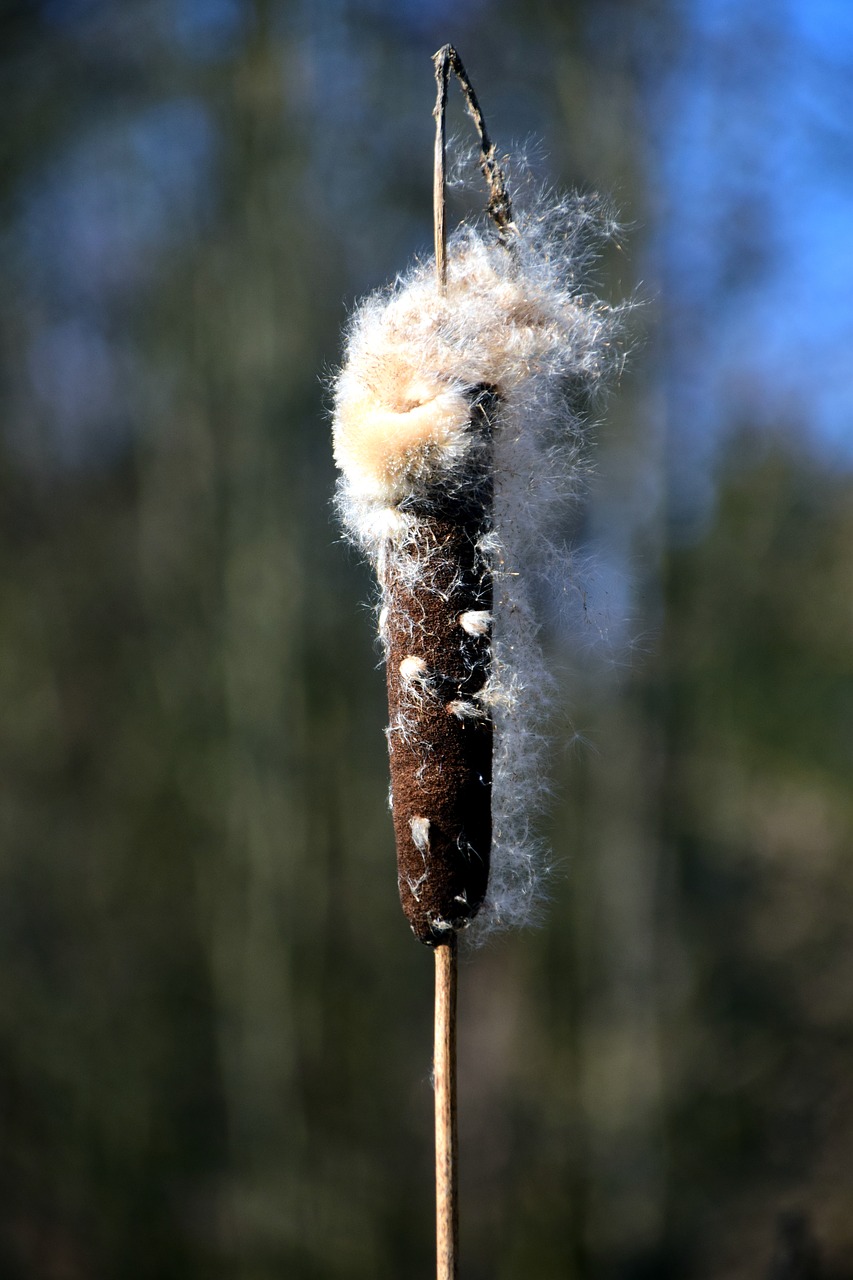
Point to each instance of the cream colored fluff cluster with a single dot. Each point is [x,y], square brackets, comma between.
[514,319]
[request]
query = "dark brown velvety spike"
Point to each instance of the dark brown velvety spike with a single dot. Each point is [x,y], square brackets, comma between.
[441,760]
[439,736]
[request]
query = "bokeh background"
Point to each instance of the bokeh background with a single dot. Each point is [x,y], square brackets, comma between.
[215,1028]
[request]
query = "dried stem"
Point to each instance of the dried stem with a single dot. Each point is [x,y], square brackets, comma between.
[444,1075]
[500,205]
[444,1050]
[442,67]
[444,1062]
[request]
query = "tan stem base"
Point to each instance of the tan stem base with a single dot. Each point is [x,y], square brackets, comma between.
[444,1075]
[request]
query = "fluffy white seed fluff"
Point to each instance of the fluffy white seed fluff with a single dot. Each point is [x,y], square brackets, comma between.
[420,833]
[514,319]
[477,622]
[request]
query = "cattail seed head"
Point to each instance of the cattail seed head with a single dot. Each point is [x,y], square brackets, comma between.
[454,439]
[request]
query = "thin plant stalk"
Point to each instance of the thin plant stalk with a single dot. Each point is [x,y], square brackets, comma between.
[446,1146]
[444,1046]
[446,964]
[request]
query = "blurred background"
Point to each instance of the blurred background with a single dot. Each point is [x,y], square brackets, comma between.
[215,1027]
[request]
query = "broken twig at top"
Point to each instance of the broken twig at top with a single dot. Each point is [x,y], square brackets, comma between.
[500,205]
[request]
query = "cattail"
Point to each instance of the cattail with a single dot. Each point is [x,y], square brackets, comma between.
[456,442]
